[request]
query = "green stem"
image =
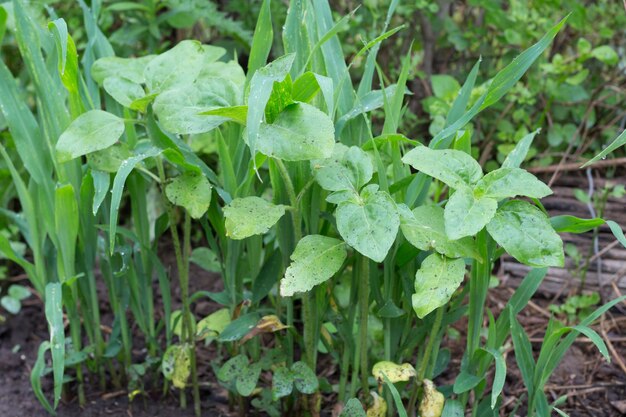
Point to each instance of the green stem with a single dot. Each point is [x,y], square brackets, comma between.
[364,288]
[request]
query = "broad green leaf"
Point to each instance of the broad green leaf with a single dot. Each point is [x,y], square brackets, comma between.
[435,282]
[180,65]
[304,378]
[179,109]
[192,191]
[129,68]
[525,233]
[445,86]
[353,408]
[370,223]
[89,132]
[206,259]
[394,372]
[617,142]
[110,159]
[466,215]
[54,316]
[10,304]
[249,216]
[230,71]
[432,401]
[571,224]
[247,379]
[454,168]
[424,228]
[279,99]
[123,90]
[282,383]
[452,408]
[315,259]
[19,292]
[348,169]
[301,132]
[510,182]
[515,158]
[261,86]
[232,368]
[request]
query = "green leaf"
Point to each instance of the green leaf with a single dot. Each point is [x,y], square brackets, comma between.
[206,259]
[397,399]
[249,216]
[232,368]
[192,191]
[515,158]
[424,228]
[131,69]
[348,169]
[304,378]
[300,132]
[261,40]
[605,54]
[353,408]
[239,328]
[617,232]
[54,316]
[596,339]
[179,109]
[617,142]
[38,372]
[213,324]
[452,408]
[10,304]
[315,259]
[89,132]
[110,159]
[235,113]
[19,292]
[510,182]
[359,222]
[454,168]
[247,379]
[500,375]
[435,282]
[571,224]
[180,65]
[261,86]
[123,91]
[282,383]
[525,233]
[466,215]
[445,86]
[305,87]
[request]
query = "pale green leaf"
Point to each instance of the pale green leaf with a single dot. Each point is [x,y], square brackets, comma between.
[300,132]
[510,182]
[123,90]
[347,169]
[192,191]
[89,132]
[454,168]
[304,378]
[369,223]
[251,216]
[525,233]
[424,228]
[466,215]
[435,282]
[315,260]
[180,65]
[129,68]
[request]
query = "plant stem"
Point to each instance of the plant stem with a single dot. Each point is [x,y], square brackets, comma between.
[364,288]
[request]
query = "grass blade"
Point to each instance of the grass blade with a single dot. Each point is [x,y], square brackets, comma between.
[54,315]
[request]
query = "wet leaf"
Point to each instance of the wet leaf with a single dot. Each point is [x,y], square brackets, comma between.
[251,216]
[394,372]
